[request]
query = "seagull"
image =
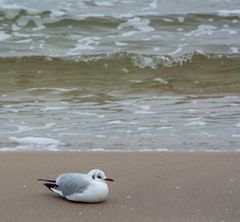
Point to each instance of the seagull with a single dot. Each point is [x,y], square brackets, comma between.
[79,187]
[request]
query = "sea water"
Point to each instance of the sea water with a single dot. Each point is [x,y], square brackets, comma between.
[119,75]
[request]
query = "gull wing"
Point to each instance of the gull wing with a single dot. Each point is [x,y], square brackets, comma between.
[70,183]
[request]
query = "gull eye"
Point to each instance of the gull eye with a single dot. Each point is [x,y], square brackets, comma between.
[99,177]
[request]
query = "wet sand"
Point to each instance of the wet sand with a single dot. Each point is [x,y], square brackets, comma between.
[164,187]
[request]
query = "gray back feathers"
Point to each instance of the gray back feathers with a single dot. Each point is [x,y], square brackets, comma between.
[70,183]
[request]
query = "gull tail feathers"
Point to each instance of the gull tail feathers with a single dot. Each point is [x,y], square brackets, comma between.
[51,185]
[45,180]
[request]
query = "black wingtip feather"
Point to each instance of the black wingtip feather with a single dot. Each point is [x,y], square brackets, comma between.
[50,185]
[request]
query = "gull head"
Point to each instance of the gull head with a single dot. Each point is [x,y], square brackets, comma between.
[99,175]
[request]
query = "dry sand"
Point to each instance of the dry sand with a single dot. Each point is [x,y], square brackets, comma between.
[164,187]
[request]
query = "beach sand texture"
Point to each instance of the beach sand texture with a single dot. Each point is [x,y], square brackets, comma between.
[154,186]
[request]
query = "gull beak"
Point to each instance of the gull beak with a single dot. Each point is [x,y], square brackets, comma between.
[109,179]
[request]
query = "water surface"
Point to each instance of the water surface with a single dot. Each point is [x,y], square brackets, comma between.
[128,75]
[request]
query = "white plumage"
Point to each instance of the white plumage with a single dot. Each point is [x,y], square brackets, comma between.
[91,187]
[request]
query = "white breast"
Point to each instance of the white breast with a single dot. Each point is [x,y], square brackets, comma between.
[97,191]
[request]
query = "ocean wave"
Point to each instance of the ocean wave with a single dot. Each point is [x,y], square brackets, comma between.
[30,29]
[33,143]
[136,60]
[22,16]
[78,78]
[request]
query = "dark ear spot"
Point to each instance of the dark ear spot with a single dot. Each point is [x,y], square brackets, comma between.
[93,177]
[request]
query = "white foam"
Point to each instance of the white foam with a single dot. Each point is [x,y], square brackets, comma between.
[125,71]
[23,20]
[162,150]
[10,11]
[98,149]
[236,135]
[6,149]
[24,41]
[235,12]
[196,123]
[4,36]
[229,31]
[89,15]
[17,34]
[38,141]
[115,122]
[84,113]
[138,23]
[85,43]
[128,34]
[24,128]
[180,19]
[192,110]
[101,136]
[234,50]
[238,124]
[145,61]
[132,122]
[179,49]
[180,30]
[15,9]
[154,4]
[38,22]
[163,121]
[143,112]
[103,3]
[234,104]
[143,128]
[165,82]
[164,127]
[87,96]
[231,97]
[53,89]
[57,13]
[205,134]
[121,43]
[235,21]
[68,134]
[202,30]
[145,107]
[196,118]
[54,108]
[146,134]
[135,81]
[15,27]
[167,20]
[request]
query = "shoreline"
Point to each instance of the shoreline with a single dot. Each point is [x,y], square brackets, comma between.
[149,186]
[119,151]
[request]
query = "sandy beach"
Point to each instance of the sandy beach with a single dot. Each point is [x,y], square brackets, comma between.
[172,187]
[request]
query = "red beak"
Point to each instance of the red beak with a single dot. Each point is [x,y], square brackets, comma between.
[109,179]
